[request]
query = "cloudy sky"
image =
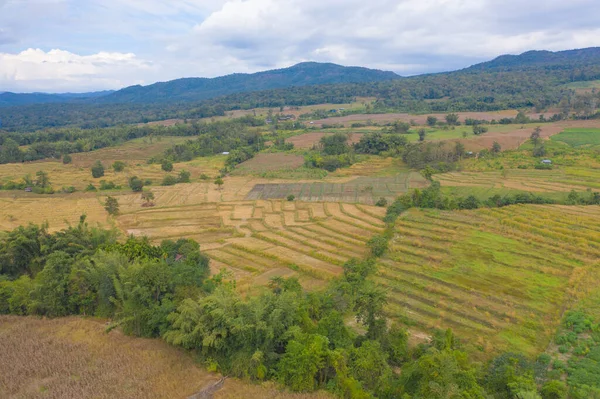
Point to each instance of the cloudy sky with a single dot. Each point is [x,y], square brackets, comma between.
[83,45]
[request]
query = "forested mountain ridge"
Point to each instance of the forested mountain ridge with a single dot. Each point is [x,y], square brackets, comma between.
[544,59]
[532,79]
[194,89]
[13,99]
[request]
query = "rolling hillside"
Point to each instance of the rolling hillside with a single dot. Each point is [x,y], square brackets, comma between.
[194,89]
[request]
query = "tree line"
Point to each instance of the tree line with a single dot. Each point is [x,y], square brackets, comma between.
[55,143]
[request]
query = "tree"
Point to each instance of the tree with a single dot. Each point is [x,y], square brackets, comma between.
[452,119]
[479,129]
[535,136]
[112,206]
[42,179]
[97,170]
[67,159]
[166,165]
[136,184]
[431,120]
[554,390]
[422,134]
[400,127]
[335,144]
[10,151]
[184,176]
[118,166]
[369,309]
[539,151]
[496,148]
[148,196]
[459,150]
[585,105]
[304,357]
[219,182]
[378,245]
[169,180]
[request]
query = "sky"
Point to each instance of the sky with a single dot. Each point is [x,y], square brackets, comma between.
[88,45]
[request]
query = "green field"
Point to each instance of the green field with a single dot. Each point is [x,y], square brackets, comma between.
[500,278]
[579,137]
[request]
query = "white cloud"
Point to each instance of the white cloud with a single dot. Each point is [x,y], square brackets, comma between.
[216,37]
[58,70]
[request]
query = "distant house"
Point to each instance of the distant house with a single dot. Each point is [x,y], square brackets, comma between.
[225,153]
[547,162]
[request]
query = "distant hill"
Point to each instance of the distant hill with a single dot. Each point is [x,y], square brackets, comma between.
[537,79]
[11,99]
[537,59]
[195,89]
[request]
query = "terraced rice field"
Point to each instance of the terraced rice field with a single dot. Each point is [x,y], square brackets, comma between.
[258,240]
[557,180]
[366,190]
[498,277]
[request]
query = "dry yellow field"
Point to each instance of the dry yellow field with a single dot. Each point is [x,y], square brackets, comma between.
[74,358]
[134,153]
[258,240]
[255,240]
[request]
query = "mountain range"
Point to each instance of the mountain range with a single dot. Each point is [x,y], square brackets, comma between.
[300,75]
[537,79]
[196,89]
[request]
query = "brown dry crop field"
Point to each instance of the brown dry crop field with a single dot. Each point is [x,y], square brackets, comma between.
[270,161]
[75,358]
[78,174]
[419,119]
[309,140]
[134,151]
[365,190]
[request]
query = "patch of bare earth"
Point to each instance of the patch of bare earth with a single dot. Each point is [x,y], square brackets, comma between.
[268,162]
[513,139]
[308,140]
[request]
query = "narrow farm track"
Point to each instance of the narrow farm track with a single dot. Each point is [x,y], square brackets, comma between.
[262,239]
[503,274]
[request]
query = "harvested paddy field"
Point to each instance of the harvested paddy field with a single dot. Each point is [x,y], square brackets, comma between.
[74,358]
[264,162]
[309,140]
[365,190]
[490,183]
[501,278]
[418,119]
[78,174]
[258,240]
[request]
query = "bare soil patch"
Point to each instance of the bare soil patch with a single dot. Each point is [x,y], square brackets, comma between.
[308,140]
[419,119]
[268,162]
[513,139]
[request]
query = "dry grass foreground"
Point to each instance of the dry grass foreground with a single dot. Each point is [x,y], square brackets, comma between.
[501,278]
[74,358]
